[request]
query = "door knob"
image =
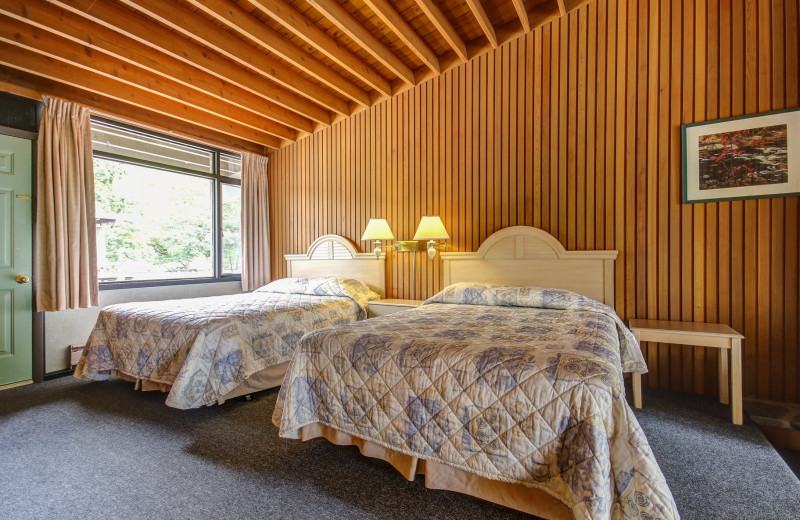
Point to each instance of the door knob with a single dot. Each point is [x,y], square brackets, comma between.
[23,279]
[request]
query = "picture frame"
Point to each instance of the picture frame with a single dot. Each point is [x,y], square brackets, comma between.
[746,157]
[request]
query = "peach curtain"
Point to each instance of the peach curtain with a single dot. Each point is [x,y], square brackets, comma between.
[66,252]
[255,222]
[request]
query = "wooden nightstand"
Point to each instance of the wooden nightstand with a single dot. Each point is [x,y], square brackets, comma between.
[384,307]
[702,335]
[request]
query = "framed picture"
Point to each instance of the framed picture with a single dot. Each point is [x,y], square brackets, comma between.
[746,157]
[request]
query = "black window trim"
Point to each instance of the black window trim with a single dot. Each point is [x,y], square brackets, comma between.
[218,181]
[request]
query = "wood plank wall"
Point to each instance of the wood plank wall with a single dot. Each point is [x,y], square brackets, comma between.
[575,128]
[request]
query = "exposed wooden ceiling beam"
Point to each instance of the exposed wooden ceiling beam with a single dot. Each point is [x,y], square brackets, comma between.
[544,13]
[522,12]
[571,5]
[445,28]
[122,21]
[31,86]
[539,14]
[339,16]
[262,34]
[306,30]
[483,20]
[38,40]
[93,36]
[407,34]
[215,56]
[48,67]
[188,23]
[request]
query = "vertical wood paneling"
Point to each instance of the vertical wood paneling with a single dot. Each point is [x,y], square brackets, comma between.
[575,128]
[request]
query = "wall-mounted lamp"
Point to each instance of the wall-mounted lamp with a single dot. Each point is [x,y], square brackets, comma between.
[432,229]
[378,229]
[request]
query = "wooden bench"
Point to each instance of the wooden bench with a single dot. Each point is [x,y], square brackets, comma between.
[714,335]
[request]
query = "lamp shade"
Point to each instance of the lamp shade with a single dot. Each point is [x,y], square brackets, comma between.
[431,228]
[378,229]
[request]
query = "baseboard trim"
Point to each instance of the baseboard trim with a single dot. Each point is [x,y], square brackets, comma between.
[60,373]
[15,385]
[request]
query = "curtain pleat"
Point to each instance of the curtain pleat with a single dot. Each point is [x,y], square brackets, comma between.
[255,222]
[66,252]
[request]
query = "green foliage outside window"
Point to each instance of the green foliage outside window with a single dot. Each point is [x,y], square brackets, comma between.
[158,224]
[231,229]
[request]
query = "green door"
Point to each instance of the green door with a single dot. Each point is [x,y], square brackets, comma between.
[16,260]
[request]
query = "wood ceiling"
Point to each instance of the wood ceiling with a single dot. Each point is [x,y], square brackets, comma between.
[248,74]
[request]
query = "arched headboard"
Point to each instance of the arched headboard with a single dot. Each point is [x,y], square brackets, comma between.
[522,255]
[334,255]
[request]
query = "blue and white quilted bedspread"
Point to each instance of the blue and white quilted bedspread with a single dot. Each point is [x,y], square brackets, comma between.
[515,384]
[206,347]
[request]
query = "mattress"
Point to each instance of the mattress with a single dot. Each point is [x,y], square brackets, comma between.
[202,349]
[514,385]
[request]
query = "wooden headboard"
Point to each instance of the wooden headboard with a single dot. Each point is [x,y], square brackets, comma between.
[334,255]
[522,255]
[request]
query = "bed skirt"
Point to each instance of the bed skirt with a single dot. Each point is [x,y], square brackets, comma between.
[270,377]
[442,476]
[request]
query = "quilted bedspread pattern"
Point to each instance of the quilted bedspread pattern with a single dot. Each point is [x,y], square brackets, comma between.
[518,385]
[205,347]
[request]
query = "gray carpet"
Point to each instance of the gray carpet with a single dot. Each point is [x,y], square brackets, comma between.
[715,469]
[91,450]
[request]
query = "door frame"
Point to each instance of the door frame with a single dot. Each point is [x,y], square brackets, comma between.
[38,317]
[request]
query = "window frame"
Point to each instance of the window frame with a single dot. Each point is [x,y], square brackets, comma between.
[218,180]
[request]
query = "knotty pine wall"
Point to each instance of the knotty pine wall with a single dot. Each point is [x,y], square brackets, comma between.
[575,128]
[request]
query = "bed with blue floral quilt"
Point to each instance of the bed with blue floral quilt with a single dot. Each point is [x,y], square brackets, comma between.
[202,349]
[513,394]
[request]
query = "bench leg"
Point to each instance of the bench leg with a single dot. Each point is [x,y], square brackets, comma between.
[637,390]
[724,377]
[637,379]
[736,380]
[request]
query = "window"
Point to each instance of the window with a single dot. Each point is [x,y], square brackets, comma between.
[167,211]
[231,229]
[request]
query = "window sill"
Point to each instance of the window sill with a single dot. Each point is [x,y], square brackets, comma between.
[136,284]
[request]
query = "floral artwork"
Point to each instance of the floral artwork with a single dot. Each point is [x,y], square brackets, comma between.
[745,157]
